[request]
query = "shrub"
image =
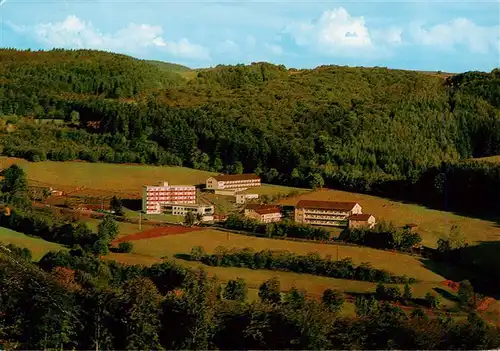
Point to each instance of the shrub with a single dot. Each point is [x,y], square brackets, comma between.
[432,300]
[333,300]
[125,247]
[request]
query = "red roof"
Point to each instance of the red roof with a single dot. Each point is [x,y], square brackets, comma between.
[234,177]
[263,211]
[326,205]
[360,217]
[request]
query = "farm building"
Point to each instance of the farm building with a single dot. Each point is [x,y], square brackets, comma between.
[329,213]
[206,212]
[154,197]
[264,213]
[361,220]
[233,182]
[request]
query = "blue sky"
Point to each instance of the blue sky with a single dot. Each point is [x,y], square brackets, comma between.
[452,36]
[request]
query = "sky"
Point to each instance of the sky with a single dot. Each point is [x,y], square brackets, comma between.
[450,36]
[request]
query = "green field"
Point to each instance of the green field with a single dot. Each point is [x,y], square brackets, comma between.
[126,228]
[396,263]
[432,224]
[153,217]
[38,247]
[124,180]
[152,250]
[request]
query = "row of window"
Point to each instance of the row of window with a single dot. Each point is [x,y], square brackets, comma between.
[240,181]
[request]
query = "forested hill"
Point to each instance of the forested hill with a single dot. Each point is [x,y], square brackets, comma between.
[366,129]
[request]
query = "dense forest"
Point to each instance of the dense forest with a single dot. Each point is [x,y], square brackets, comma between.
[396,133]
[72,300]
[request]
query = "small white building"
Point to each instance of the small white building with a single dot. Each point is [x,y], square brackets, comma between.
[242,198]
[206,211]
[264,213]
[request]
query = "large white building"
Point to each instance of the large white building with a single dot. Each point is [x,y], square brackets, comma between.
[328,213]
[155,197]
[236,182]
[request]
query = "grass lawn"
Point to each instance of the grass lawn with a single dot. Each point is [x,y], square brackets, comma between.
[119,178]
[223,204]
[432,224]
[183,243]
[273,190]
[154,217]
[38,247]
[314,285]
[493,159]
[125,180]
[125,227]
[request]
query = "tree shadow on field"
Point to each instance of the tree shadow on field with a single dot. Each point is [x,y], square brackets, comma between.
[480,264]
[446,294]
[132,204]
[183,256]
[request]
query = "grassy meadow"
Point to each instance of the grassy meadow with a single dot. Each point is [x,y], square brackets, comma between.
[432,224]
[125,180]
[106,177]
[396,263]
[37,246]
[152,251]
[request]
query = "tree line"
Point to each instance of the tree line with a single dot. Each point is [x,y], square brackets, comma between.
[19,215]
[384,235]
[276,230]
[311,263]
[79,301]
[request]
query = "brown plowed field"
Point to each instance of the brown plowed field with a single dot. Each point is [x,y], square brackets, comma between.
[158,232]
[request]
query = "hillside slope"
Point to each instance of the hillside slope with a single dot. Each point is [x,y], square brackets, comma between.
[366,129]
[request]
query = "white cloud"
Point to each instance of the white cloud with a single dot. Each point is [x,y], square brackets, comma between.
[275,49]
[391,35]
[227,47]
[75,33]
[338,33]
[459,31]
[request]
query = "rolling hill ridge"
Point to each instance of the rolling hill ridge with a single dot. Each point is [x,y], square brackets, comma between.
[397,133]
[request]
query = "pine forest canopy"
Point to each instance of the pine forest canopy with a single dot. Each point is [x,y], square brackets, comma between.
[366,129]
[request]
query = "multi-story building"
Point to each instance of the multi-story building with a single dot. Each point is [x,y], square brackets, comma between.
[155,197]
[205,211]
[263,213]
[236,182]
[327,213]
